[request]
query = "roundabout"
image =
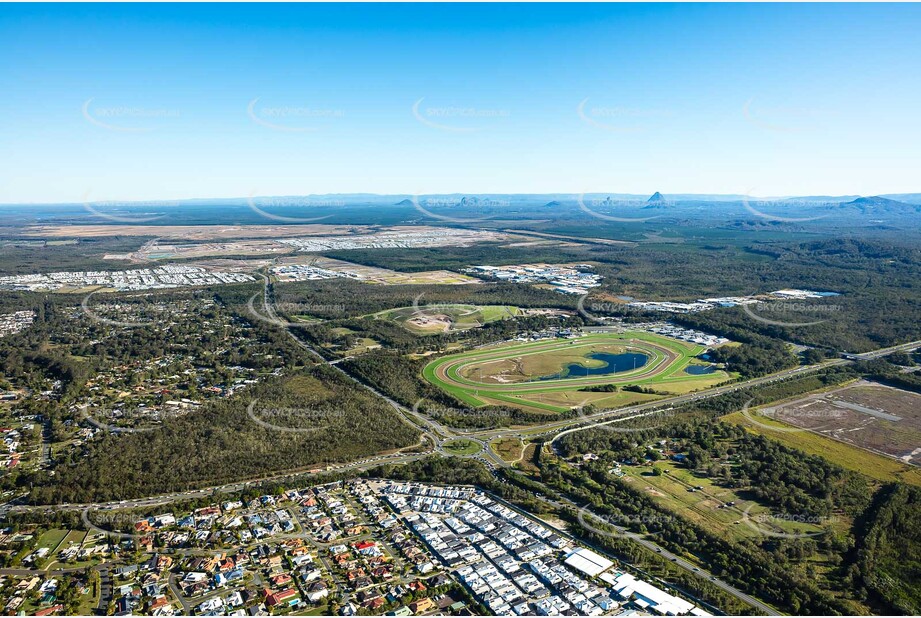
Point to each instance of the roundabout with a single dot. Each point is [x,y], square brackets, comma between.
[461,447]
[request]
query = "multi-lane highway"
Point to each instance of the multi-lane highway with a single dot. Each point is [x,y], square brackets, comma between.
[437,435]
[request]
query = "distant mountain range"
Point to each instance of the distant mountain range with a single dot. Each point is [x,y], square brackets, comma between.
[657,200]
[883,201]
[878,204]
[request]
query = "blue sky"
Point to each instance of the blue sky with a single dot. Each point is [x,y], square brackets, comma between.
[118,102]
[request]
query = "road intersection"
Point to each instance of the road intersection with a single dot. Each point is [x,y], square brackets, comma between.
[436,435]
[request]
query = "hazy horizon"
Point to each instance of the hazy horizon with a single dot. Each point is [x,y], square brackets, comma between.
[554,194]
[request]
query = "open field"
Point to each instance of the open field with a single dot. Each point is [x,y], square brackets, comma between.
[73,539]
[548,375]
[847,456]
[678,490]
[51,539]
[256,240]
[384,276]
[509,449]
[426,320]
[362,345]
[524,368]
[874,417]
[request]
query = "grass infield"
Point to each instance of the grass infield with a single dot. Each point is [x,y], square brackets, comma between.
[486,375]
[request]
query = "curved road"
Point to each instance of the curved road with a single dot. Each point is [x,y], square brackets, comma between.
[438,434]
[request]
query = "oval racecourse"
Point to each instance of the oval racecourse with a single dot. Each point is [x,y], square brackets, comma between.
[480,377]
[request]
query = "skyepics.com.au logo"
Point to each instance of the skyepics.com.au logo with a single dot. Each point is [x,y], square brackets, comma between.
[782,118]
[135,311]
[460,209]
[796,418]
[291,119]
[626,422]
[611,314]
[474,417]
[623,525]
[456,119]
[128,211]
[268,312]
[787,525]
[783,211]
[618,119]
[627,211]
[778,308]
[269,207]
[126,118]
[599,311]
[127,420]
[110,523]
[311,309]
[294,420]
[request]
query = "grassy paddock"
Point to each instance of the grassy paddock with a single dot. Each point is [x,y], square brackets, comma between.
[509,449]
[845,455]
[673,490]
[426,320]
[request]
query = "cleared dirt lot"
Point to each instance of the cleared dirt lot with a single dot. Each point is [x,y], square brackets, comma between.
[871,416]
[383,275]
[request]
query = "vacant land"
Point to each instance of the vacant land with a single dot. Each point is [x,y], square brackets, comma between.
[509,449]
[362,345]
[385,276]
[51,539]
[158,250]
[74,538]
[704,501]
[531,375]
[871,416]
[427,320]
[843,454]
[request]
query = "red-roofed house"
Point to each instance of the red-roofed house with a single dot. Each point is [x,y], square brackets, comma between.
[288,595]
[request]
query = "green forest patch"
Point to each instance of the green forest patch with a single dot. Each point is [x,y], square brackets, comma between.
[314,416]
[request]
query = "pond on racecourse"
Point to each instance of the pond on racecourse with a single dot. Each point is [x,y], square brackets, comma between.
[613,363]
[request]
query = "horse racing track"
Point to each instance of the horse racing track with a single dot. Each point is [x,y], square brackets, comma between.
[557,375]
